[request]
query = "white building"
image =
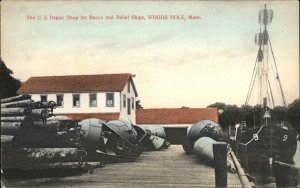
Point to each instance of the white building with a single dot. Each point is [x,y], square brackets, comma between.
[106,96]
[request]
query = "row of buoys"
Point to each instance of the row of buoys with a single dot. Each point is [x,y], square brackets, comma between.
[33,138]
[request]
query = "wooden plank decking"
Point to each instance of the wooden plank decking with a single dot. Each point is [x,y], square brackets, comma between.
[165,168]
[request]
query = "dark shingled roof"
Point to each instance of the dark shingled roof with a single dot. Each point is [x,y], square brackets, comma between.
[76,83]
[175,115]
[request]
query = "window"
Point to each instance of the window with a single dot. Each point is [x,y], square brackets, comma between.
[76,100]
[109,99]
[60,100]
[124,101]
[128,105]
[132,103]
[93,100]
[128,86]
[43,98]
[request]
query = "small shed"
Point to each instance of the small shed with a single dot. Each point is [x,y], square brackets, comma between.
[176,121]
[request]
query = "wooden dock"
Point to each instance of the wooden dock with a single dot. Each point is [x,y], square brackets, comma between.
[166,168]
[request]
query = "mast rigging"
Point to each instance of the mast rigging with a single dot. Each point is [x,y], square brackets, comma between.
[262,64]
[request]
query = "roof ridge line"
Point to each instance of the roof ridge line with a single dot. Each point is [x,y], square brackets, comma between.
[80,75]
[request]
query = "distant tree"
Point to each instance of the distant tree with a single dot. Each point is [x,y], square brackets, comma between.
[233,114]
[138,104]
[246,114]
[8,84]
[294,114]
[280,113]
[218,105]
[230,116]
[257,113]
[253,115]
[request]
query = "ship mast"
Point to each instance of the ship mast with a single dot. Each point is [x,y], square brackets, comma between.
[260,74]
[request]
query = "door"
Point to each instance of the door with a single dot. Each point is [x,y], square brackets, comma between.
[128,106]
[175,135]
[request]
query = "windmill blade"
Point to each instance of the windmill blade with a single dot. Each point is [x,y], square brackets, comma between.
[265,36]
[265,16]
[262,38]
[260,55]
[258,39]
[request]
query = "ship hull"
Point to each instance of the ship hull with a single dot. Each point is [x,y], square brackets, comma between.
[259,144]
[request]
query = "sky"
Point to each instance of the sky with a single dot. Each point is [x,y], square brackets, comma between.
[189,62]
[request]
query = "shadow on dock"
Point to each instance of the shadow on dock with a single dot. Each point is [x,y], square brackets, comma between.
[42,173]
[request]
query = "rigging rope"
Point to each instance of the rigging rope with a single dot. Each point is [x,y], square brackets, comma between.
[255,134]
[271,93]
[268,96]
[261,71]
[276,83]
[258,95]
[277,75]
[251,82]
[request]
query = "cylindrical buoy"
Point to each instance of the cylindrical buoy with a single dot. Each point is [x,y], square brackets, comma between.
[6,141]
[12,119]
[124,129]
[54,124]
[44,154]
[13,111]
[157,135]
[21,103]
[91,129]
[40,113]
[15,98]
[10,128]
[203,148]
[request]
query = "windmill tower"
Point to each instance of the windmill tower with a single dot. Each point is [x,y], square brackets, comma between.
[265,67]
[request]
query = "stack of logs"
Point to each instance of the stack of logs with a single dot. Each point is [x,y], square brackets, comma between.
[32,139]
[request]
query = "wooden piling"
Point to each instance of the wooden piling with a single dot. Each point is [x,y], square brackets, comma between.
[14,128]
[58,118]
[10,128]
[220,159]
[286,175]
[21,103]
[6,139]
[15,98]
[12,119]
[39,113]
[47,124]
[13,111]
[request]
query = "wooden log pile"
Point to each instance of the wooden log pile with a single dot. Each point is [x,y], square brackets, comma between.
[31,139]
